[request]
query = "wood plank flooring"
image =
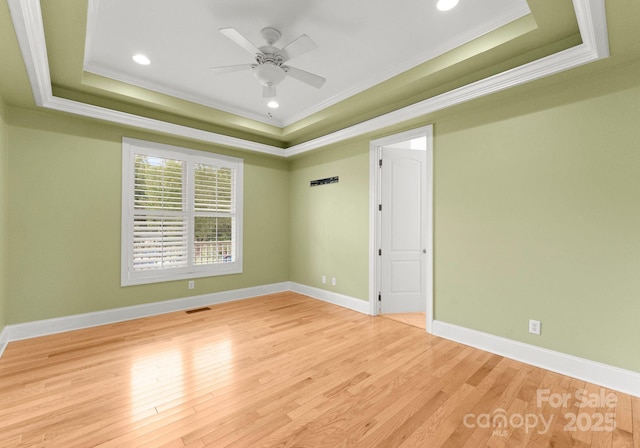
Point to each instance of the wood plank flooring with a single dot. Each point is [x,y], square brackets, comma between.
[289,371]
[418,320]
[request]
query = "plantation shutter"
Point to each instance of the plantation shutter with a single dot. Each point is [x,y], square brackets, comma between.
[181,213]
[214,214]
[160,239]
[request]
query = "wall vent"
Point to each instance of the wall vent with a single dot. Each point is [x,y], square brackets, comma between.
[198,310]
[325,181]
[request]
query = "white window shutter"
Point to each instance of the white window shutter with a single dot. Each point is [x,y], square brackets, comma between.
[182,213]
[214,214]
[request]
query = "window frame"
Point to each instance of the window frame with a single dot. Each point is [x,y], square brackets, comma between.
[130,148]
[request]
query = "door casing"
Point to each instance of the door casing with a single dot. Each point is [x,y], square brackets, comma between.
[375,195]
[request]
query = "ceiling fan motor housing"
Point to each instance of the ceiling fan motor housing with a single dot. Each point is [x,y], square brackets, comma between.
[269,68]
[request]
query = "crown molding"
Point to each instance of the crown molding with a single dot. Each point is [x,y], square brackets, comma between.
[421,56]
[136,121]
[593,29]
[26,16]
[27,19]
[165,90]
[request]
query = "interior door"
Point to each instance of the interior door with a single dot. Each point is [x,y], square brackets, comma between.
[403,242]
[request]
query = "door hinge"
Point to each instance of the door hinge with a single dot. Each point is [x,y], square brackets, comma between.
[379,251]
[379,207]
[380,162]
[379,297]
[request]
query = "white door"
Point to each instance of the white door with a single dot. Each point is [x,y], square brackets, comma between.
[403,230]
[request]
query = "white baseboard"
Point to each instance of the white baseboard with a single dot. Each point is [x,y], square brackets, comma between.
[4,339]
[604,375]
[45,327]
[361,306]
[594,372]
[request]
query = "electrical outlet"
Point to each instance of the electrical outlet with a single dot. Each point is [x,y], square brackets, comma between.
[324,279]
[333,281]
[192,284]
[534,326]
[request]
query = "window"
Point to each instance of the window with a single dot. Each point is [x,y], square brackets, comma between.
[181,213]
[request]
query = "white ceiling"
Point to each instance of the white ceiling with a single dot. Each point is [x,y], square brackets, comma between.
[360,44]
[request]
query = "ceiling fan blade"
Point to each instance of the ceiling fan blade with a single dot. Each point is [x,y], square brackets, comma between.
[232,68]
[306,77]
[239,39]
[299,46]
[268,91]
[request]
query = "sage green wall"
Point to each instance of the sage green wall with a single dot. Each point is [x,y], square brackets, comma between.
[330,223]
[537,216]
[4,185]
[536,209]
[64,220]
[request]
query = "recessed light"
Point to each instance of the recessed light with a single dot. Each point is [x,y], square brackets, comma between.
[141,59]
[273,104]
[446,5]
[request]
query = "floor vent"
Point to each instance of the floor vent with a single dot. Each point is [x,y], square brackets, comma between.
[198,310]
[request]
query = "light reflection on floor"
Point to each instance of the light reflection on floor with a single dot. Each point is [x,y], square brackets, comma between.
[158,379]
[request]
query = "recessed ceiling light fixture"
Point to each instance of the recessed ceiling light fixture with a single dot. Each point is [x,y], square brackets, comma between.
[446,5]
[141,59]
[273,104]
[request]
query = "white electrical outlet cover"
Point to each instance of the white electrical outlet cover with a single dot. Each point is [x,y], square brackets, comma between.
[534,326]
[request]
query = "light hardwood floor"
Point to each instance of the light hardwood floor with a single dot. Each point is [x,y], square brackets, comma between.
[287,371]
[418,320]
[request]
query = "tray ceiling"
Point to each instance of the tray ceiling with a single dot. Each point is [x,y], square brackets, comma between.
[359,45]
[78,59]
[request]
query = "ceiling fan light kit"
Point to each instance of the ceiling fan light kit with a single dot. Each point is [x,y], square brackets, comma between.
[269,68]
[269,74]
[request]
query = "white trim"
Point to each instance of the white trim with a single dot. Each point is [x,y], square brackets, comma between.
[504,18]
[46,327]
[550,65]
[375,154]
[375,192]
[180,94]
[594,372]
[4,340]
[190,157]
[361,306]
[590,14]
[418,58]
[430,231]
[27,21]
[26,16]
[27,330]
[123,118]
[592,22]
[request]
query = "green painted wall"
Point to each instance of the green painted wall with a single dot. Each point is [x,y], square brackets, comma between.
[330,223]
[64,220]
[537,215]
[4,185]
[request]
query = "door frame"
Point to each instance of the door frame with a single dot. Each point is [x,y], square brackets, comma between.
[375,225]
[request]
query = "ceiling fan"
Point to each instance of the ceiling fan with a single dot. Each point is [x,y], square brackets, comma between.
[269,68]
